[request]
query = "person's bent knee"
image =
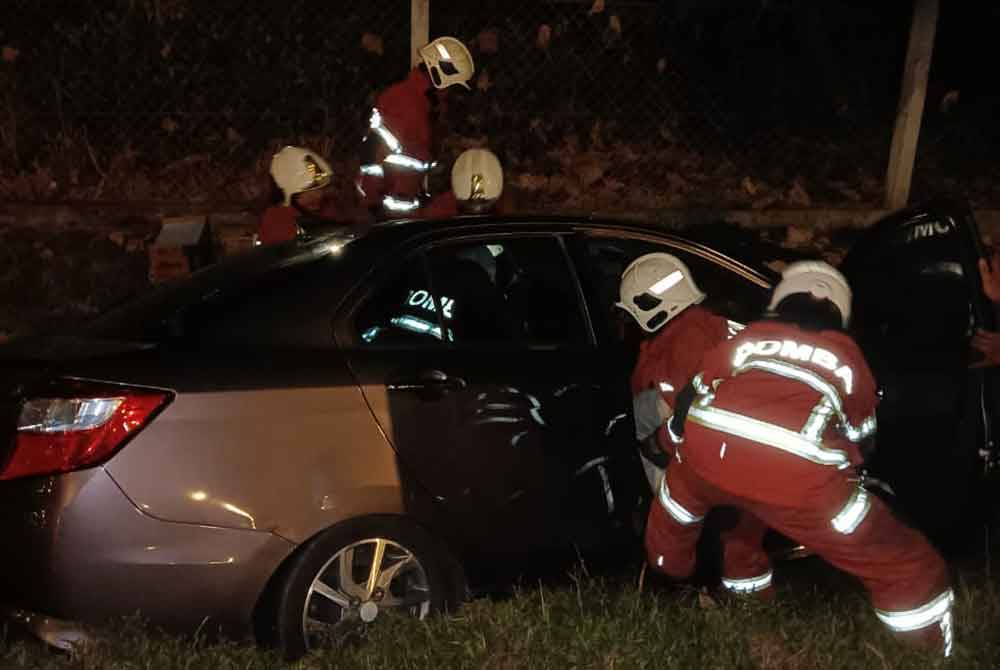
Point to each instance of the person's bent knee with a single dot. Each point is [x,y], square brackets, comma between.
[673,565]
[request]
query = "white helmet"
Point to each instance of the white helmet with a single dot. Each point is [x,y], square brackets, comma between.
[296,170]
[448,62]
[820,280]
[477,179]
[657,287]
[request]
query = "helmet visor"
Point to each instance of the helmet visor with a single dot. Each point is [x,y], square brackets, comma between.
[646,301]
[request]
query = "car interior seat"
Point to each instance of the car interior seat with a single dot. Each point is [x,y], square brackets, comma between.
[476,305]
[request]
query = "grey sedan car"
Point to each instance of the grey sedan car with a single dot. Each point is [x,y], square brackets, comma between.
[295,441]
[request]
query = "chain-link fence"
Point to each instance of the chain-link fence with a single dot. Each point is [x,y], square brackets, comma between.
[960,136]
[708,103]
[178,99]
[590,103]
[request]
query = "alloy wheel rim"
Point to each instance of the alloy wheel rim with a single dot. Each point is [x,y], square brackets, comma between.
[358,584]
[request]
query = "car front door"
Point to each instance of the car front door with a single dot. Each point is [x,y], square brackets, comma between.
[474,355]
[601,256]
[917,302]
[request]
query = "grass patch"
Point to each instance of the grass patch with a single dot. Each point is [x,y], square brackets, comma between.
[591,623]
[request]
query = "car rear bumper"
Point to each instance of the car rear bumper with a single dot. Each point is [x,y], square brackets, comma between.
[77,549]
[57,633]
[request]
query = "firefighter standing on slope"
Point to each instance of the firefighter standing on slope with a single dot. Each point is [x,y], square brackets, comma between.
[397,153]
[774,423]
[658,291]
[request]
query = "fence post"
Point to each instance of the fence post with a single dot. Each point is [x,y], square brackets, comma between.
[911,104]
[420,28]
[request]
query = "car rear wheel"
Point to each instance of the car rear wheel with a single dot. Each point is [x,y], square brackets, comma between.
[350,576]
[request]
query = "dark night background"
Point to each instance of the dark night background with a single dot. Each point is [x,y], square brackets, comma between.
[180,100]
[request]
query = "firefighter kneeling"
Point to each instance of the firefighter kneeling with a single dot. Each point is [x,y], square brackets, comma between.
[774,424]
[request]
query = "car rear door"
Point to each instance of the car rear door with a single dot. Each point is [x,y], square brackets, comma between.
[917,302]
[474,353]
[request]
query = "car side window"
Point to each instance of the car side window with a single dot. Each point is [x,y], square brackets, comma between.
[508,290]
[275,308]
[604,259]
[402,311]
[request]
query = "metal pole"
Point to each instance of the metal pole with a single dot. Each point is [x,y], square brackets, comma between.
[420,28]
[911,104]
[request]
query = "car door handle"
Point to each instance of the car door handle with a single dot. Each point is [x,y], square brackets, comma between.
[428,380]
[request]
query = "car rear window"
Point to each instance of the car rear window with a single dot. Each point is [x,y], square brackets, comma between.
[244,286]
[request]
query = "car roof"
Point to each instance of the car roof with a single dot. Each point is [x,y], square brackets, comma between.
[742,246]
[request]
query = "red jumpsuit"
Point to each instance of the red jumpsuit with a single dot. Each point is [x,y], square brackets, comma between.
[280,223]
[673,356]
[773,432]
[398,152]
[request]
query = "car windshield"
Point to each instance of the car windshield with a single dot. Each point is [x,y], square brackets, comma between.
[157,314]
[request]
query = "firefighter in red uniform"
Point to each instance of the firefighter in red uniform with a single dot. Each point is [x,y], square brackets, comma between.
[302,177]
[774,421]
[397,151]
[659,293]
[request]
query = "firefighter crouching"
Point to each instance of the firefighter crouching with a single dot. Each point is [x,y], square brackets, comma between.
[774,421]
[659,292]
[396,155]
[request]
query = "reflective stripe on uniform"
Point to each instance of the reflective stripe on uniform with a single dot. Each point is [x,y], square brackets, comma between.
[408,162]
[866,429]
[750,584]
[376,124]
[831,401]
[674,508]
[372,170]
[818,419]
[416,325]
[946,632]
[918,617]
[767,434]
[396,205]
[937,611]
[700,386]
[796,373]
[853,513]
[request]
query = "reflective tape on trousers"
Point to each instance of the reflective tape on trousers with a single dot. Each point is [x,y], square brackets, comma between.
[926,615]
[750,584]
[674,508]
[936,612]
[853,512]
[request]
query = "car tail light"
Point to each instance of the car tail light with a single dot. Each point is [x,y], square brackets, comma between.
[78,427]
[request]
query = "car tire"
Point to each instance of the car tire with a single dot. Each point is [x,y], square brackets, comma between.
[332,590]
